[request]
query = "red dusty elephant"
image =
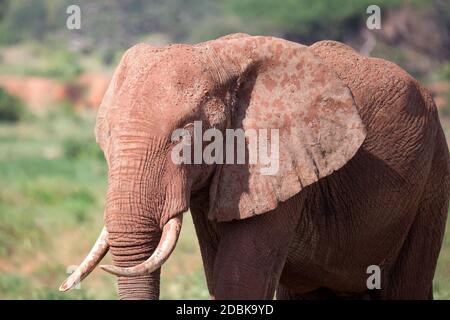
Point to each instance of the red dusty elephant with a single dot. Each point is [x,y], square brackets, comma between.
[362,176]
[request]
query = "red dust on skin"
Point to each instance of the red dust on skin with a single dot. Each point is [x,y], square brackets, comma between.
[285,81]
[269,83]
[278,104]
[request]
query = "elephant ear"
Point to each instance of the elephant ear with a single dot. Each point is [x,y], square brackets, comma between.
[283,88]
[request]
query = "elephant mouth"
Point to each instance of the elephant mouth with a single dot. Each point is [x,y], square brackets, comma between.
[170,234]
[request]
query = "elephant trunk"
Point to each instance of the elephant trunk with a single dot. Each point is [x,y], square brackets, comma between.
[166,245]
[132,218]
[129,250]
[133,230]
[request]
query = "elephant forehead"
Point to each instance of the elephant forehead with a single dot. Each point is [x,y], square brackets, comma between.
[166,80]
[172,66]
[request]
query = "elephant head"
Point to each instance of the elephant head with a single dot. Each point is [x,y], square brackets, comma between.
[235,82]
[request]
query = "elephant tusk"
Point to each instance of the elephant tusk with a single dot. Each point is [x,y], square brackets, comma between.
[169,238]
[96,254]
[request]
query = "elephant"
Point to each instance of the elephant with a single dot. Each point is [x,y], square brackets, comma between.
[363,177]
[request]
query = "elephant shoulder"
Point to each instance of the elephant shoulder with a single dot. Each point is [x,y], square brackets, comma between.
[331,46]
[226,37]
[392,104]
[376,83]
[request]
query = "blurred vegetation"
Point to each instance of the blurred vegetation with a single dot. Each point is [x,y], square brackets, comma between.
[127,20]
[11,108]
[309,21]
[60,64]
[53,175]
[76,148]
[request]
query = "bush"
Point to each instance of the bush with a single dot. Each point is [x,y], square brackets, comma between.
[11,108]
[307,21]
[108,56]
[62,65]
[445,71]
[78,148]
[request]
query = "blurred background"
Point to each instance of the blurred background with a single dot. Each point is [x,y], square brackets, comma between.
[52,79]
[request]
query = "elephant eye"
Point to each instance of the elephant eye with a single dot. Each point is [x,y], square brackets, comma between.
[189,134]
[189,127]
[184,135]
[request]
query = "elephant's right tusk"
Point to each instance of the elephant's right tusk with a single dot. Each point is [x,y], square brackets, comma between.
[96,254]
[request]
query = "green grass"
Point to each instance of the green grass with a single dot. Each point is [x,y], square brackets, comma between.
[52,191]
[441,282]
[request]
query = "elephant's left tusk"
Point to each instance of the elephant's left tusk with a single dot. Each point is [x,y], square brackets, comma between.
[96,254]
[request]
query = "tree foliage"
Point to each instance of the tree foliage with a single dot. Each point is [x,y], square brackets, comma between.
[308,20]
[119,23]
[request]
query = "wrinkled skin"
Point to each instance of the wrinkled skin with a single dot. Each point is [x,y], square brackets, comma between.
[363,179]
